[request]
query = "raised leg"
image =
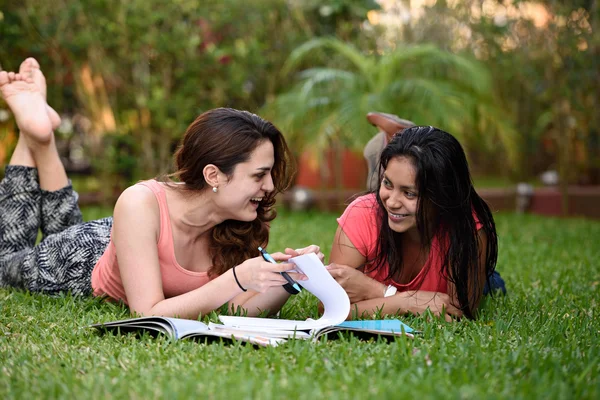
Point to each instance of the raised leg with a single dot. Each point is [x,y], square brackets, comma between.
[36,193]
[20,211]
[20,195]
[27,102]
[25,95]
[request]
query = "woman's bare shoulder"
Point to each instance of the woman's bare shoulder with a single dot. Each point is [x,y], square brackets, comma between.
[137,199]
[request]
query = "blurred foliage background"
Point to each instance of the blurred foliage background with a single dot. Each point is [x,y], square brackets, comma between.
[518,82]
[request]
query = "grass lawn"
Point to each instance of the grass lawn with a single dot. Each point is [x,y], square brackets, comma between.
[541,341]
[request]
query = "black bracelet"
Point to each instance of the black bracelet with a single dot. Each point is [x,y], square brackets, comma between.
[236,280]
[290,289]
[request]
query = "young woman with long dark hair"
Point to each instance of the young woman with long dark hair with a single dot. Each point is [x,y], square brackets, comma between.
[423,239]
[179,246]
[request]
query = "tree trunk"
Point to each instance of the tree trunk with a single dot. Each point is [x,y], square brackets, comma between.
[93,96]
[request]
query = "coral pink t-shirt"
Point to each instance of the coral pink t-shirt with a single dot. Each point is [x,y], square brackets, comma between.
[106,278]
[359,222]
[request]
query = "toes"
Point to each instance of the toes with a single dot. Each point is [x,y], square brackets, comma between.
[25,67]
[28,65]
[22,77]
[11,76]
[3,78]
[33,62]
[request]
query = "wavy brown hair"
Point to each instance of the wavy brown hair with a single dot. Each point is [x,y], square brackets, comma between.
[226,137]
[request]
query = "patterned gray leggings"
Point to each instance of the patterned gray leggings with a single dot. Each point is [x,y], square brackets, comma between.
[64,259]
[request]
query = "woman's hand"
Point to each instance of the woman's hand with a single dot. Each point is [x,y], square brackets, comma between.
[417,301]
[358,285]
[260,275]
[313,248]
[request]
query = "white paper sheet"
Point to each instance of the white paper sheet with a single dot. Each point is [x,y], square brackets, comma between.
[320,283]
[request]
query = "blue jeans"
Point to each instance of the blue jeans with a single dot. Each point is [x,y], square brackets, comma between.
[496,283]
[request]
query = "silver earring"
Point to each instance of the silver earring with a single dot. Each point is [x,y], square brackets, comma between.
[215,189]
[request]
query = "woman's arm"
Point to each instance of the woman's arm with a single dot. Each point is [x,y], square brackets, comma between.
[344,252]
[414,302]
[254,303]
[345,259]
[135,235]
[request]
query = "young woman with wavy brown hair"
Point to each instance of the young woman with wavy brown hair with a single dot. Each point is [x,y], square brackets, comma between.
[182,245]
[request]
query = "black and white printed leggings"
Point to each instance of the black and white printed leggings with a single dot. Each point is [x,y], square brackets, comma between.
[64,259]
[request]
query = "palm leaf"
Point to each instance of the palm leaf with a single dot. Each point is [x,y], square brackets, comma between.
[421,83]
[357,60]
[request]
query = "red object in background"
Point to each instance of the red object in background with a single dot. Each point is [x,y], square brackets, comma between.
[353,170]
[209,36]
[582,201]
[226,59]
[546,201]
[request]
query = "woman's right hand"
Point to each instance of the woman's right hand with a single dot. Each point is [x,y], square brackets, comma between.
[259,275]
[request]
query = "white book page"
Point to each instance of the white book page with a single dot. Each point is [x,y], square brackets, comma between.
[258,330]
[320,283]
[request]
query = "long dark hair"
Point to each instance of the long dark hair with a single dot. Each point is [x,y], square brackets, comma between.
[446,206]
[226,137]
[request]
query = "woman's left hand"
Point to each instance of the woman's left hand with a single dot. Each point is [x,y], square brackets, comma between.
[358,286]
[313,248]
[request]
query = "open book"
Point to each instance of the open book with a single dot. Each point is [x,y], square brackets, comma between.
[177,328]
[271,331]
[364,329]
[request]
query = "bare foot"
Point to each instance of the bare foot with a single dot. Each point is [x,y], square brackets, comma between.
[31,68]
[25,100]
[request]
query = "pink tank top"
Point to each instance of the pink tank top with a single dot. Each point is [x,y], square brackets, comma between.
[106,278]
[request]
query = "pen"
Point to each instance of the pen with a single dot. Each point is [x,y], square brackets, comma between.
[270,259]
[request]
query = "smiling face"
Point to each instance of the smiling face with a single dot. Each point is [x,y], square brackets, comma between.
[399,194]
[241,194]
